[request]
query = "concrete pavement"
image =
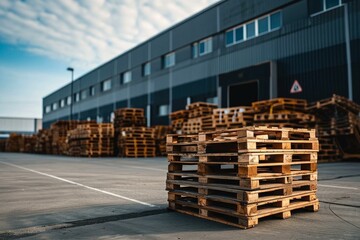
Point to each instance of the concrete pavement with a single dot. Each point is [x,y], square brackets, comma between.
[54,197]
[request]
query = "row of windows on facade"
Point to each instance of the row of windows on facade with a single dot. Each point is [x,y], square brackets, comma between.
[235,35]
[162,110]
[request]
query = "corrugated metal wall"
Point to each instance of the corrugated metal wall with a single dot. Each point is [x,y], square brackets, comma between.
[310,49]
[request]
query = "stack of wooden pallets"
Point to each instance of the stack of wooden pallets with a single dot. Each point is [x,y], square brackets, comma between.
[137,142]
[160,137]
[178,119]
[43,143]
[239,176]
[282,112]
[2,145]
[200,117]
[235,117]
[133,138]
[59,132]
[129,117]
[91,140]
[15,143]
[29,143]
[338,128]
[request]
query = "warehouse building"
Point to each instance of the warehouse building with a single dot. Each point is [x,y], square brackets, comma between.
[232,53]
[25,126]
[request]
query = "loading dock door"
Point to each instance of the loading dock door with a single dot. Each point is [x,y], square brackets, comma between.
[243,94]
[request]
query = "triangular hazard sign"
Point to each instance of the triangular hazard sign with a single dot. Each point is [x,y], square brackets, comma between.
[296,88]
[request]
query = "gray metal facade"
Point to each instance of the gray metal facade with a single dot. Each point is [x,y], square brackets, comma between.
[309,46]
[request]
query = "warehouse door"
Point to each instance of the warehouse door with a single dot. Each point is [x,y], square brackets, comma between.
[243,94]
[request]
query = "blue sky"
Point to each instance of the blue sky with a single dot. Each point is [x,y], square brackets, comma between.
[39,39]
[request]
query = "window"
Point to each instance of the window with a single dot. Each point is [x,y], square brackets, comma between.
[254,28]
[201,48]
[62,103]
[275,20]
[126,77]
[263,25]
[212,100]
[332,3]
[229,37]
[54,106]
[92,91]
[169,60]
[163,110]
[239,34]
[250,30]
[68,100]
[83,94]
[47,109]
[205,46]
[106,85]
[195,50]
[77,97]
[146,69]
[318,6]
[235,35]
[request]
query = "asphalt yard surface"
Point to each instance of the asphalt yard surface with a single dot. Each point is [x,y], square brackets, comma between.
[53,197]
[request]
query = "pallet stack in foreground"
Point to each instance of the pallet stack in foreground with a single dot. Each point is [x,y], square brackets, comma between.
[91,140]
[239,176]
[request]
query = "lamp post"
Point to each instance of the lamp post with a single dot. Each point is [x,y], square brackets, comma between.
[71,91]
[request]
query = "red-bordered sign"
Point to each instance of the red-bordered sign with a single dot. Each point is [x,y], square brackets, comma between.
[296,88]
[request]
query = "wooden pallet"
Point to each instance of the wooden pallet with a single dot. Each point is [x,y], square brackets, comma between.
[237,219]
[243,197]
[260,132]
[180,114]
[277,104]
[246,158]
[265,181]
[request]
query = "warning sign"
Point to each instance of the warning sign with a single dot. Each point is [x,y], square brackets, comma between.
[296,88]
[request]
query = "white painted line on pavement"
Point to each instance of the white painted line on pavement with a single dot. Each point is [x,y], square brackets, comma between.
[80,185]
[331,186]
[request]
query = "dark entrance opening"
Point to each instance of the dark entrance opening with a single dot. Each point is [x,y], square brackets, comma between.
[243,94]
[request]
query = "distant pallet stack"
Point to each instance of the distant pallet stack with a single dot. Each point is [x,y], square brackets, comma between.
[283,112]
[2,145]
[200,118]
[338,125]
[161,131]
[178,119]
[15,143]
[59,132]
[127,117]
[239,176]
[29,144]
[137,142]
[91,140]
[43,143]
[235,117]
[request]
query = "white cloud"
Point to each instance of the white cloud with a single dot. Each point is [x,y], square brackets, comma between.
[87,33]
